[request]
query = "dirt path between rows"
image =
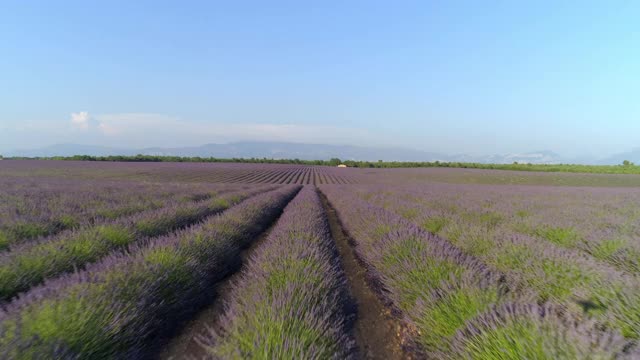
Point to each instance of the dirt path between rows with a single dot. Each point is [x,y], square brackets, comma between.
[184,345]
[375,330]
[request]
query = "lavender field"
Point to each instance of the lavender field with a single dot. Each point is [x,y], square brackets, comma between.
[263,261]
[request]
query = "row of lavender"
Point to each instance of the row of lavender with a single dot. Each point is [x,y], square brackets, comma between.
[603,223]
[290,301]
[533,247]
[425,176]
[31,263]
[290,175]
[37,207]
[458,304]
[119,306]
[183,172]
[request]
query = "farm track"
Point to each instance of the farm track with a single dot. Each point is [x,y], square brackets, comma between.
[182,344]
[376,332]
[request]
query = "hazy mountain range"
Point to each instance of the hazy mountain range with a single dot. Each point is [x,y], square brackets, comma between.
[284,150]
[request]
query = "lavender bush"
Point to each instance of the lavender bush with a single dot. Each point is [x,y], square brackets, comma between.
[30,264]
[115,308]
[557,273]
[183,172]
[290,301]
[597,221]
[530,331]
[476,264]
[39,207]
[415,271]
[437,298]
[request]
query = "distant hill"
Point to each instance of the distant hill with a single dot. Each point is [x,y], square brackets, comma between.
[276,150]
[70,150]
[285,150]
[633,156]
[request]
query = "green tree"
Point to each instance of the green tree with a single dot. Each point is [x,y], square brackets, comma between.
[335,162]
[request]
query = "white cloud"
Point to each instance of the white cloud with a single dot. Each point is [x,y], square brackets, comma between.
[142,129]
[80,120]
[107,129]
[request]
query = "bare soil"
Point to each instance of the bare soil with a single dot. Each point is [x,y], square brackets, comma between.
[376,331]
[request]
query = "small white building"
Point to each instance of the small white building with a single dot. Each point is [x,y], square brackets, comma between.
[342,166]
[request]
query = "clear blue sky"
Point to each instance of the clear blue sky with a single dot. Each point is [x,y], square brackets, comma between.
[475,77]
